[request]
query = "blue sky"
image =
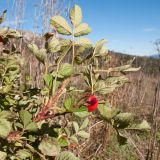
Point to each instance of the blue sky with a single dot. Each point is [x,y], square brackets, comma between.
[130,26]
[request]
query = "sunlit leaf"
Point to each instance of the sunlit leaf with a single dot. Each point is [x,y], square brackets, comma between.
[83,134]
[49,146]
[61,25]
[5,128]
[66,155]
[82,29]
[25,117]
[76,15]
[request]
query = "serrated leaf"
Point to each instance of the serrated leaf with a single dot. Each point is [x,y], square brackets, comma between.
[65,42]
[85,123]
[6,115]
[76,126]
[103,88]
[98,50]
[85,42]
[13,34]
[82,114]
[66,155]
[66,70]
[68,104]
[76,15]
[25,117]
[53,45]
[39,53]
[24,154]
[32,127]
[48,79]
[49,146]
[33,48]
[61,25]
[144,125]
[19,125]
[132,69]
[122,120]
[3,155]
[83,134]
[74,139]
[107,112]
[81,30]
[63,141]
[3,16]
[5,128]
[32,138]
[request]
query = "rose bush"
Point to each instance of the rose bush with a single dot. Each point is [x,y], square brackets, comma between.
[45,123]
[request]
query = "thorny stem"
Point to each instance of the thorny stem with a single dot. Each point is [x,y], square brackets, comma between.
[51,102]
[58,65]
[92,90]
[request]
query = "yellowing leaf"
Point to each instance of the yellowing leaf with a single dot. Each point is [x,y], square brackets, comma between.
[5,128]
[85,42]
[53,45]
[61,25]
[76,15]
[50,146]
[82,29]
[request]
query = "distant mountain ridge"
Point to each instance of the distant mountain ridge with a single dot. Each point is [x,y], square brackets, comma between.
[155,56]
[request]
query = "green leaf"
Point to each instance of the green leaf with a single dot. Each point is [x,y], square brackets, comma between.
[81,30]
[33,48]
[24,154]
[132,69]
[76,15]
[107,112]
[65,42]
[74,139]
[83,134]
[48,79]
[3,155]
[82,114]
[98,47]
[3,17]
[49,146]
[39,53]
[102,88]
[32,127]
[6,115]
[122,120]
[13,34]
[25,117]
[158,136]
[85,123]
[69,104]
[76,126]
[19,125]
[63,141]
[5,128]
[66,155]
[144,126]
[85,42]
[61,25]
[66,69]
[53,45]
